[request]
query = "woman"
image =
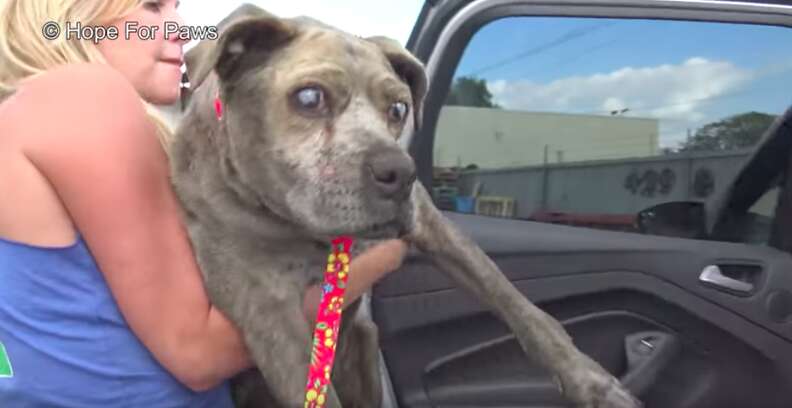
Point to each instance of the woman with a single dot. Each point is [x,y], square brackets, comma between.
[101,300]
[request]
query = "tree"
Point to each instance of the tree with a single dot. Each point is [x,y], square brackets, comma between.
[468,91]
[734,132]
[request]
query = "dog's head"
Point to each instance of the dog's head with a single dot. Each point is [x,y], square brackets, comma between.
[312,118]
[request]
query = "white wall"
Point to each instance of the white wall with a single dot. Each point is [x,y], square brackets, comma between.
[171,113]
[494,138]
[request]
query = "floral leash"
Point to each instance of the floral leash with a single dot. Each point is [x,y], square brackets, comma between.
[328,317]
[328,322]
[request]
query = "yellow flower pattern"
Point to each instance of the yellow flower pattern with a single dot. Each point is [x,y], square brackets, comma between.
[328,323]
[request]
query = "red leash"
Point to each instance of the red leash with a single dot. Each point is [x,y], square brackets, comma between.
[328,323]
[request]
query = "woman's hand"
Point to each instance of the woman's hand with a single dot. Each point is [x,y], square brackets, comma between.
[364,270]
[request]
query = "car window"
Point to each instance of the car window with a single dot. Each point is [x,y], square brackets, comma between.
[588,121]
[758,223]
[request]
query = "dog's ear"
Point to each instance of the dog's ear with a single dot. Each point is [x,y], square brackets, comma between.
[409,68]
[244,43]
[198,55]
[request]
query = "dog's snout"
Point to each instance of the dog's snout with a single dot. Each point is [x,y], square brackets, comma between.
[392,173]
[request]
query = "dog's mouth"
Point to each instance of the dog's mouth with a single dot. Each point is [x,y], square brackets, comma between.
[391,228]
[379,230]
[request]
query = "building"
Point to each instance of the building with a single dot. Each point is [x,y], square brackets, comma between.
[497,138]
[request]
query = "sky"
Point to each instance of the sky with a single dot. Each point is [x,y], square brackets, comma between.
[685,74]
[394,19]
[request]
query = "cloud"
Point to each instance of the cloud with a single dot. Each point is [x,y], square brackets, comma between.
[676,94]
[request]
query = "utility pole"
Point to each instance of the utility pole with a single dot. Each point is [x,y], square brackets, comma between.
[545,177]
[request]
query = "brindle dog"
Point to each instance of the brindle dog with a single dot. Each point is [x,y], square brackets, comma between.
[307,149]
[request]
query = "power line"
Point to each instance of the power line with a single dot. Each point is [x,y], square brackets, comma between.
[564,38]
[583,53]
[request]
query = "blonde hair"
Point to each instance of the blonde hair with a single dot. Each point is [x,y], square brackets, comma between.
[24,52]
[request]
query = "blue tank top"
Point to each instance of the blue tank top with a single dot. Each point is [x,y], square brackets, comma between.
[68,344]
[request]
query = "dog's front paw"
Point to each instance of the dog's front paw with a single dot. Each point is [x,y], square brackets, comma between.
[616,396]
[593,387]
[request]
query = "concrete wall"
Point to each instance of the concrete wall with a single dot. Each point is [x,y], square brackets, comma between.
[608,187]
[495,138]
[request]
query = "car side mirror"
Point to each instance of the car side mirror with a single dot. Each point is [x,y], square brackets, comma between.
[679,219]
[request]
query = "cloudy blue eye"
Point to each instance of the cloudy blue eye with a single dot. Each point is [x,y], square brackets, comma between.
[398,112]
[311,98]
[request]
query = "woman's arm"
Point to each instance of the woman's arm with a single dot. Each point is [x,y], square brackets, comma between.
[90,138]
[88,135]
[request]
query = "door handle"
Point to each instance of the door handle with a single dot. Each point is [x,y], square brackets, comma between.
[712,275]
[648,354]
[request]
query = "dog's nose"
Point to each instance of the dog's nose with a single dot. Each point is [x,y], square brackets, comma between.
[392,173]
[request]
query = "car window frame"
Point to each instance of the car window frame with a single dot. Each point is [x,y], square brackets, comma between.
[443,57]
[759,174]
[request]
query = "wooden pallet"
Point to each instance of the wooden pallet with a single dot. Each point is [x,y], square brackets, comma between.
[495,206]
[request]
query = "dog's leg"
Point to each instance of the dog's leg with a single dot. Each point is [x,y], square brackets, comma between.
[278,339]
[274,328]
[268,309]
[581,379]
[356,375]
[278,342]
[249,390]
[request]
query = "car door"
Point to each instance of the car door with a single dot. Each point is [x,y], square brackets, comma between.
[611,157]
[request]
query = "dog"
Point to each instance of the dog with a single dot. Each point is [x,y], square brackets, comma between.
[307,149]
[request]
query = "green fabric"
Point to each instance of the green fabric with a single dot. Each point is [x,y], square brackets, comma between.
[5,363]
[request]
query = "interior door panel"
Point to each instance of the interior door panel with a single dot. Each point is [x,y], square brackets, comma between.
[683,323]
[443,349]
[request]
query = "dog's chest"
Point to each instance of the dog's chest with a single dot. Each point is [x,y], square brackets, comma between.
[310,263]
[305,265]
[302,264]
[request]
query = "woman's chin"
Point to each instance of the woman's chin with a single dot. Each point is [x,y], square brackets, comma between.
[165,89]
[163,97]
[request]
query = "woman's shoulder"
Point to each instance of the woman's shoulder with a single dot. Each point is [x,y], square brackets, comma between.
[79,103]
[73,87]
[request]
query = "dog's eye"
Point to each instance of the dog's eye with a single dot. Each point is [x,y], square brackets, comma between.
[398,111]
[311,98]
